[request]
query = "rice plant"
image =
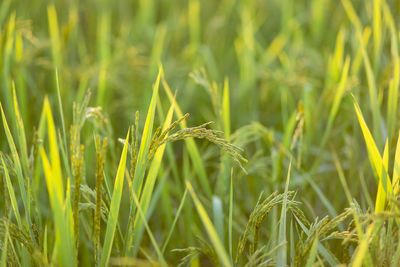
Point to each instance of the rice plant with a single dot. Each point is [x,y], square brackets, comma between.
[199,133]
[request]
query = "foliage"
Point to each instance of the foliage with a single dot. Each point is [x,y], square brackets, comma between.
[295,156]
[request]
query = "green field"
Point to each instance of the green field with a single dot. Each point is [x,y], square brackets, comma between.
[199,133]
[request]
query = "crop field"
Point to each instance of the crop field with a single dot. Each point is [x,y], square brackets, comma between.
[199,133]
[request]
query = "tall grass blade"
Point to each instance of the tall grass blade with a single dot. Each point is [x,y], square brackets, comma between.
[114,207]
[336,102]
[374,155]
[22,183]
[282,250]
[21,135]
[396,168]
[178,213]
[142,159]
[226,110]
[64,247]
[54,35]
[11,193]
[381,195]
[218,216]
[103,43]
[153,240]
[377,31]
[100,158]
[230,219]
[373,93]
[61,112]
[395,81]
[150,181]
[5,60]
[212,233]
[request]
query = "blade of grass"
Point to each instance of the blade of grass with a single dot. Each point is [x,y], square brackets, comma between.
[358,58]
[342,178]
[64,232]
[161,198]
[153,240]
[373,93]
[178,213]
[194,23]
[100,159]
[54,151]
[218,216]
[146,139]
[54,35]
[7,50]
[282,250]
[150,182]
[157,49]
[374,155]
[212,233]
[103,44]
[21,134]
[69,219]
[377,31]
[20,178]
[11,192]
[60,110]
[64,237]
[396,168]
[114,207]
[45,250]
[225,159]
[36,164]
[336,63]
[231,217]
[336,102]
[324,199]
[21,78]
[394,82]
[142,159]
[226,110]
[381,195]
